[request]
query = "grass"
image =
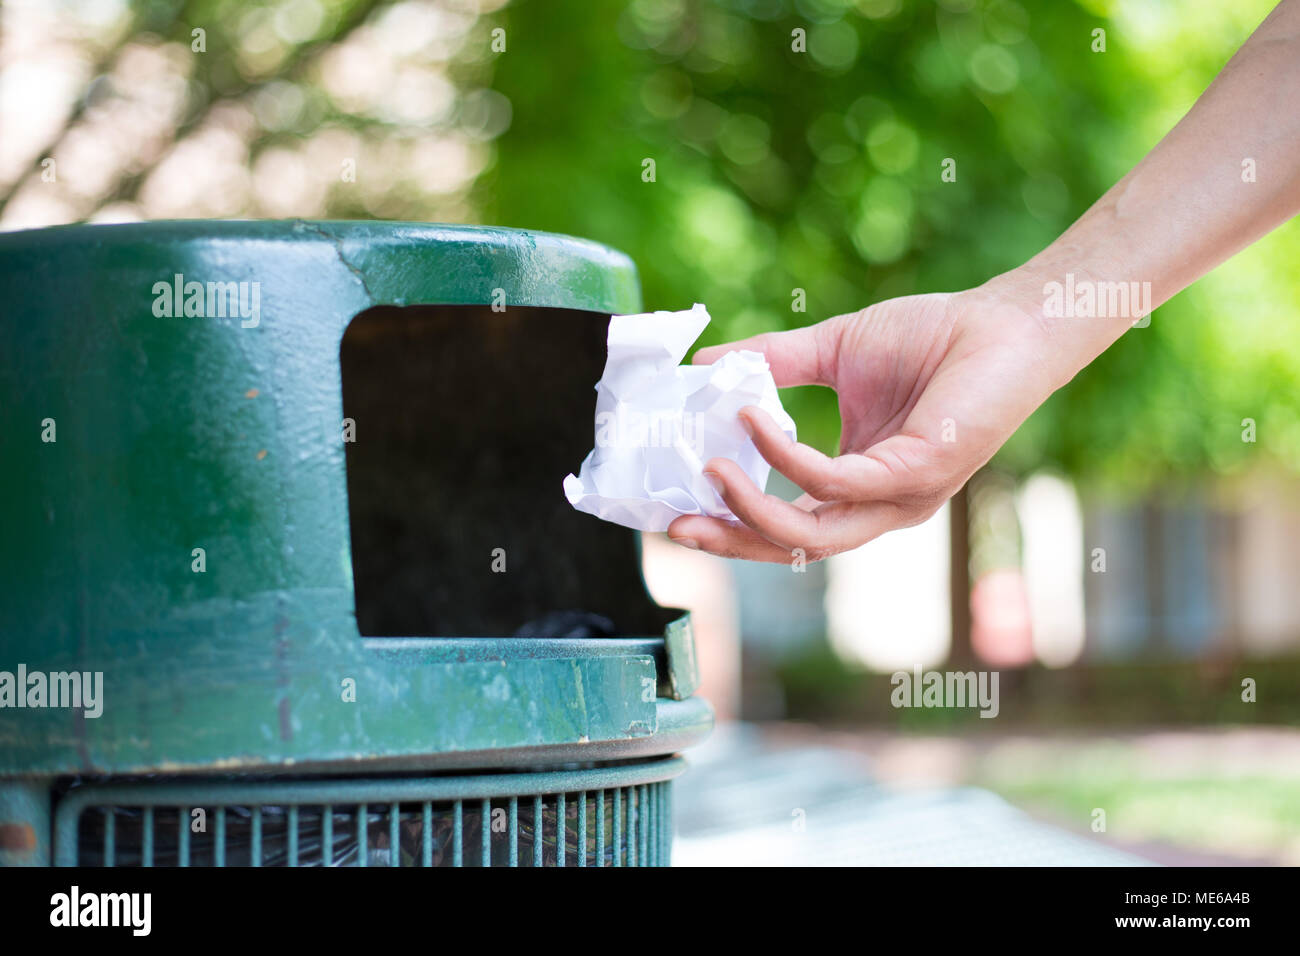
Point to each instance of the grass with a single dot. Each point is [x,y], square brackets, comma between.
[1248,812]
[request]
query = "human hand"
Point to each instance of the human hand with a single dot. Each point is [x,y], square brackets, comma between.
[929,387]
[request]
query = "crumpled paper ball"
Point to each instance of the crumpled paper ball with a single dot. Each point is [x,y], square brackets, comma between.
[658,422]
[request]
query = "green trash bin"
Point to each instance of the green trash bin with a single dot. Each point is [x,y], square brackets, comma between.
[285,547]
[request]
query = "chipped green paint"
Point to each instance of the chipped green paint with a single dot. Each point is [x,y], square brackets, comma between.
[684,672]
[222,433]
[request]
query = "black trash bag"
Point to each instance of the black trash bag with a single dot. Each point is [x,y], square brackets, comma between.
[570,624]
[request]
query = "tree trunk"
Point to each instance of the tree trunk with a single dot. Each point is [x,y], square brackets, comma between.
[960,653]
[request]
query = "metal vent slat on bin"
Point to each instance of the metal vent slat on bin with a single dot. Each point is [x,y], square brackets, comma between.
[289,824]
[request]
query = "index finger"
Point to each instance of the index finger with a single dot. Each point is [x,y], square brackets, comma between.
[796,357]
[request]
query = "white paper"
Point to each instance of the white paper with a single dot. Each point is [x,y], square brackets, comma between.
[658,422]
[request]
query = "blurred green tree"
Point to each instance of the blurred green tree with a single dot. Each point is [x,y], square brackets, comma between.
[799,152]
[809,157]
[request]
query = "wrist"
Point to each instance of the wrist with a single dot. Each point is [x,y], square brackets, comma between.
[1080,305]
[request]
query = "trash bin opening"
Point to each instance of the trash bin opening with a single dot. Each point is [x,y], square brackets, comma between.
[460,425]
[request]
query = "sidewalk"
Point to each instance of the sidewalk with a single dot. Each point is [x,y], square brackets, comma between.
[751,800]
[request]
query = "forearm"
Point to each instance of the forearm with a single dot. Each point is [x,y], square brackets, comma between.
[1228,173]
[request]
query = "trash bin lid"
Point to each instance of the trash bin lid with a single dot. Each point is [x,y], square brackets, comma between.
[175,499]
[387,263]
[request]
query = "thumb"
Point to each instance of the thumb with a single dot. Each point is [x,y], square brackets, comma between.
[797,357]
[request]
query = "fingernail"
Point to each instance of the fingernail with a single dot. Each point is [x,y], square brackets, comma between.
[688,543]
[715,482]
[746,424]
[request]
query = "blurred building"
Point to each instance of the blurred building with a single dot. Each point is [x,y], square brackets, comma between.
[1056,580]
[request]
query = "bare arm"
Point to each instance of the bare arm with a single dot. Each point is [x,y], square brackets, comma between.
[1226,175]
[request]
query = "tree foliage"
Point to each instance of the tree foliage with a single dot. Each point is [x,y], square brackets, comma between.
[778,169]
[799,152]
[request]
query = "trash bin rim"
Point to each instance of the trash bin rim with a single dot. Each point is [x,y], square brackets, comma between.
[388,230]
[388,263]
